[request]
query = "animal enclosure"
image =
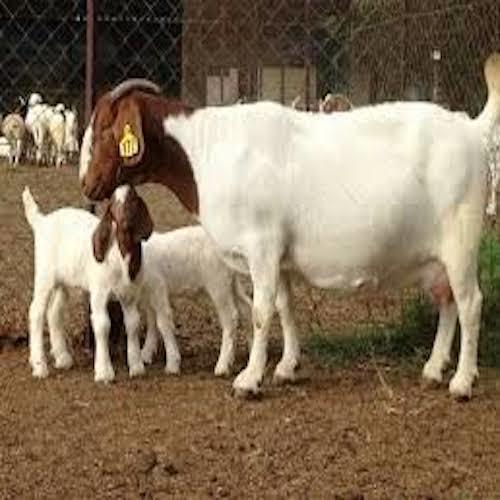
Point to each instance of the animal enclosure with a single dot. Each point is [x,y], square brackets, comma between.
[355,426]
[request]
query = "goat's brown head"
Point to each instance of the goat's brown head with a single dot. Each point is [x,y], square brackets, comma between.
[127,219]
[126,143]
[114,139]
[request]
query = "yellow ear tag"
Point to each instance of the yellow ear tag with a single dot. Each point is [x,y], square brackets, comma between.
[129,144]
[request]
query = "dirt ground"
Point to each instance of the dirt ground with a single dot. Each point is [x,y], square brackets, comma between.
[367,431]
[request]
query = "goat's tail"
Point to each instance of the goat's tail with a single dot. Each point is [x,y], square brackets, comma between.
[31,209]
[491,111]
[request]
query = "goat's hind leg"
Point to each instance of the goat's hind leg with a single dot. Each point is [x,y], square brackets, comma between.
[440,356]
[286,369]
[41,296]
[460,257]
[150,346]
[58,342]
[165,322]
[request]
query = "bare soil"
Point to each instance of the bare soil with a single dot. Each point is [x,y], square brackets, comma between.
[368,431]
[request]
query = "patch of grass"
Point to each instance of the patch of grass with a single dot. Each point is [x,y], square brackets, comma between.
[410,338]
[489,273]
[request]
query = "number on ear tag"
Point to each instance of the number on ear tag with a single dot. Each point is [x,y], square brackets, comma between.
[129,144]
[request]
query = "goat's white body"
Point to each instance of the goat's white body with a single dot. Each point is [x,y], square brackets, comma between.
[382,195]
[185,260]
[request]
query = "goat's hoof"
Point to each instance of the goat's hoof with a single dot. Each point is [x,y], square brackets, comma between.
[246,394]
[285,373]
[173,370]
[40,370]
[246,386]
[105,376]
[461,387]
[64,361]
[279,379]
[432,375]
[147,357]
[430,383]
[222,370]
[137,370]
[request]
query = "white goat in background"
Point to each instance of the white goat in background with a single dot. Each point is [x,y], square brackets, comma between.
[14,130]
[71,133]
[36,124]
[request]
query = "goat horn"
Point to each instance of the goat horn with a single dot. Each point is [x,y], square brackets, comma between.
[133,84]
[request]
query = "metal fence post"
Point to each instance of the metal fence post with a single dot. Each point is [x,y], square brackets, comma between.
[89,61]
[307,58]
[89,101]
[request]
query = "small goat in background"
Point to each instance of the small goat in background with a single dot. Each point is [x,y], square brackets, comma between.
[14,130]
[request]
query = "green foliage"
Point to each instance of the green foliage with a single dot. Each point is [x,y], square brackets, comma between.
[489,265]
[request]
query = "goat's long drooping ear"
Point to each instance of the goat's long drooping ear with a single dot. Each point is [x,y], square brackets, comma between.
[101,238]
[128,131]
[142,223]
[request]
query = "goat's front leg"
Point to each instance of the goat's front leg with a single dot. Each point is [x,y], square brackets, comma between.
[103,368]
[132,319]
[264,271]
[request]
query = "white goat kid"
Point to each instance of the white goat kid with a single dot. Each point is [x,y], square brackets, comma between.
[183,260]
[188,262]
[384,195]
[64,259]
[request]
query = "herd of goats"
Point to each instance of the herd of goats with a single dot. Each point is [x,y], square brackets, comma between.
[49,134]
[46,135]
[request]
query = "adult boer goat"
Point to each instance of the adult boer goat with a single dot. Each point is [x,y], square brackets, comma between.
[382,196]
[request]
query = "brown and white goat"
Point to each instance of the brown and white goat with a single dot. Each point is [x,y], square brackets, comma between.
[357,199]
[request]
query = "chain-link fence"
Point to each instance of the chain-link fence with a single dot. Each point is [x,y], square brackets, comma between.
[213,52]
[42,49]
[219,51]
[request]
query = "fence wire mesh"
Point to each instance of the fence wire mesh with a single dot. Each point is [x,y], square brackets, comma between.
[213,52]
[219,51]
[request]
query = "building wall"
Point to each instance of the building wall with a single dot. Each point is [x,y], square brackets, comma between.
[269,44]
